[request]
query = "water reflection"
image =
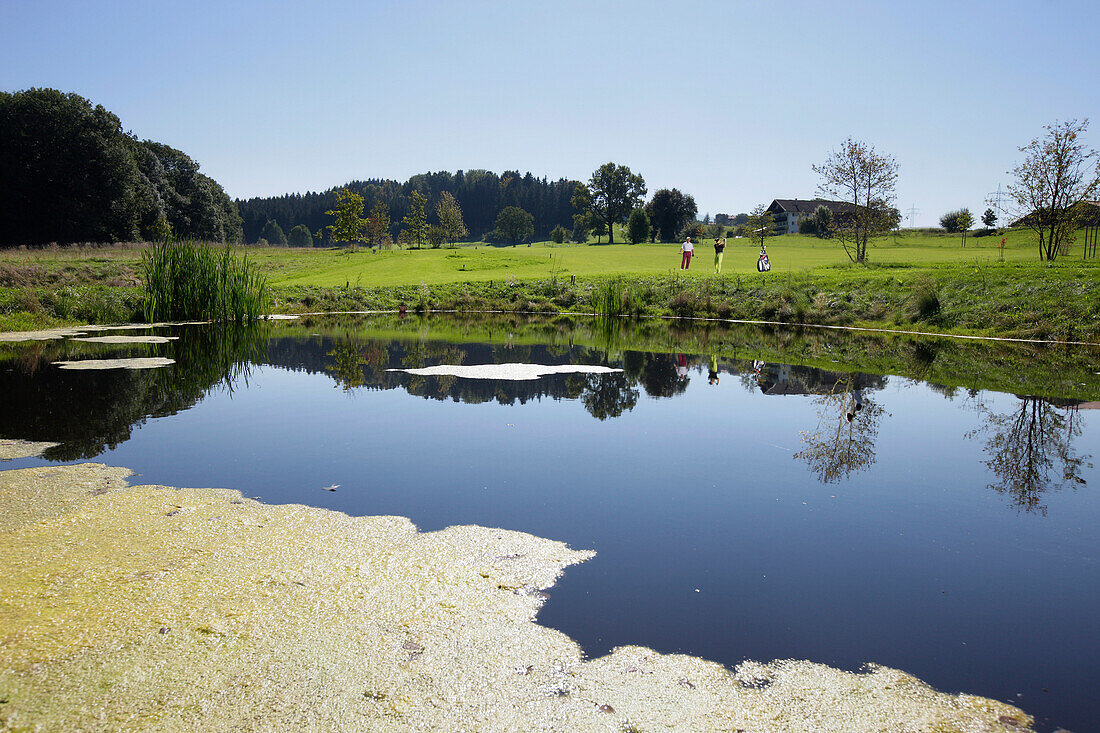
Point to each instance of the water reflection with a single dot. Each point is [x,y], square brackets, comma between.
[1030,449]
[847,427]
[89,412]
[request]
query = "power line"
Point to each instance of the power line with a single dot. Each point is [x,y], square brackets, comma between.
[912,211]
[994,198]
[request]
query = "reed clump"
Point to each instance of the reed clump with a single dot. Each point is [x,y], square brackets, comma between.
[192,281]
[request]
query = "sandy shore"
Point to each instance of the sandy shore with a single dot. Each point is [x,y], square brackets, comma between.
[154,608]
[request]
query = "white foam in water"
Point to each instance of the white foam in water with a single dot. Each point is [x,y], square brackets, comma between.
[514,372]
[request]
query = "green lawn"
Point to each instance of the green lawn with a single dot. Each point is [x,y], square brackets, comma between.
[120,264]
[470,263]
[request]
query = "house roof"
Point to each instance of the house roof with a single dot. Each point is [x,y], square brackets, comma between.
[807,206]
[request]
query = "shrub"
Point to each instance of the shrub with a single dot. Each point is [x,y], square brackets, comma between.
[300,237]
[558,234]
[924,301]
[683,305]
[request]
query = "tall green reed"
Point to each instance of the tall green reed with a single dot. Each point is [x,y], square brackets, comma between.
[191,281]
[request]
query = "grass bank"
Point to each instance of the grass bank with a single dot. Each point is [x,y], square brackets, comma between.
[921,282]
[1020,300]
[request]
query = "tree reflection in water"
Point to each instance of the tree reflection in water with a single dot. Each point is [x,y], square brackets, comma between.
[1027,445]
[844,440]
[347,365]
[608,395]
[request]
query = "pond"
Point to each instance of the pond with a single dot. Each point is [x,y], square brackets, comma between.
[925,504]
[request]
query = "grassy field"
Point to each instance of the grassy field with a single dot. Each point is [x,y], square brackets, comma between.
[469,263]
[919,281]
[119,264]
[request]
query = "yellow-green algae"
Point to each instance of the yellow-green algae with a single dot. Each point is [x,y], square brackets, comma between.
[13,449]
[153,608]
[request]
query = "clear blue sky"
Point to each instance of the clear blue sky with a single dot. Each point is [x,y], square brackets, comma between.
[731,102]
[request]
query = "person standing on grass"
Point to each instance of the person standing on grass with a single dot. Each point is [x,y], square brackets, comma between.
[719,248]
[687,248]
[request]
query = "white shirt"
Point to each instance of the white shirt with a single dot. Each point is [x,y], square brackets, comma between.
[687,247]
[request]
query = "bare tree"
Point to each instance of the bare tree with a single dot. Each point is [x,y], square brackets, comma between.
[858,175]
[1053,184]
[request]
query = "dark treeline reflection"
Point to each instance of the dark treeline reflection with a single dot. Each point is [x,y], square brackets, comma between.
[89,411]
[1029,450]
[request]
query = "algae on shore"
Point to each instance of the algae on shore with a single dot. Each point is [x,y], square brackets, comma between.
[149,607]
[10,450]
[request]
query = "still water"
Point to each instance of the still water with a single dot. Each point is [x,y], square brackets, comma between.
[946,528]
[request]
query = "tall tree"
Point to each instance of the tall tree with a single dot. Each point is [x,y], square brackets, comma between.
[450,218]
[514,225]
[68,174]
[668,210]
[416,221]
[378,225]
[857,174]
[1052,184]
[614,193]
[349,223]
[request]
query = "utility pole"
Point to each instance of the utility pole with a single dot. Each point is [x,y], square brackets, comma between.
[912,211]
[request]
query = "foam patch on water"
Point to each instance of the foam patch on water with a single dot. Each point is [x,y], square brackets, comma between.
[512,372]
[46,334]
[145,362]
[127,339]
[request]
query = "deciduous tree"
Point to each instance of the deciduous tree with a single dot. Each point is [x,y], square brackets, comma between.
[514,225]
[450,218]
[989,218]
[637,229]
[668,210]
[416,221]
[300,237]
[273,233]
[378,225]
[614,193]
[856,173]
[761,224]
[1057,176]
[349,223]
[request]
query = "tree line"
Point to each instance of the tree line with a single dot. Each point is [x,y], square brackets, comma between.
[70,173]
[481,196]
